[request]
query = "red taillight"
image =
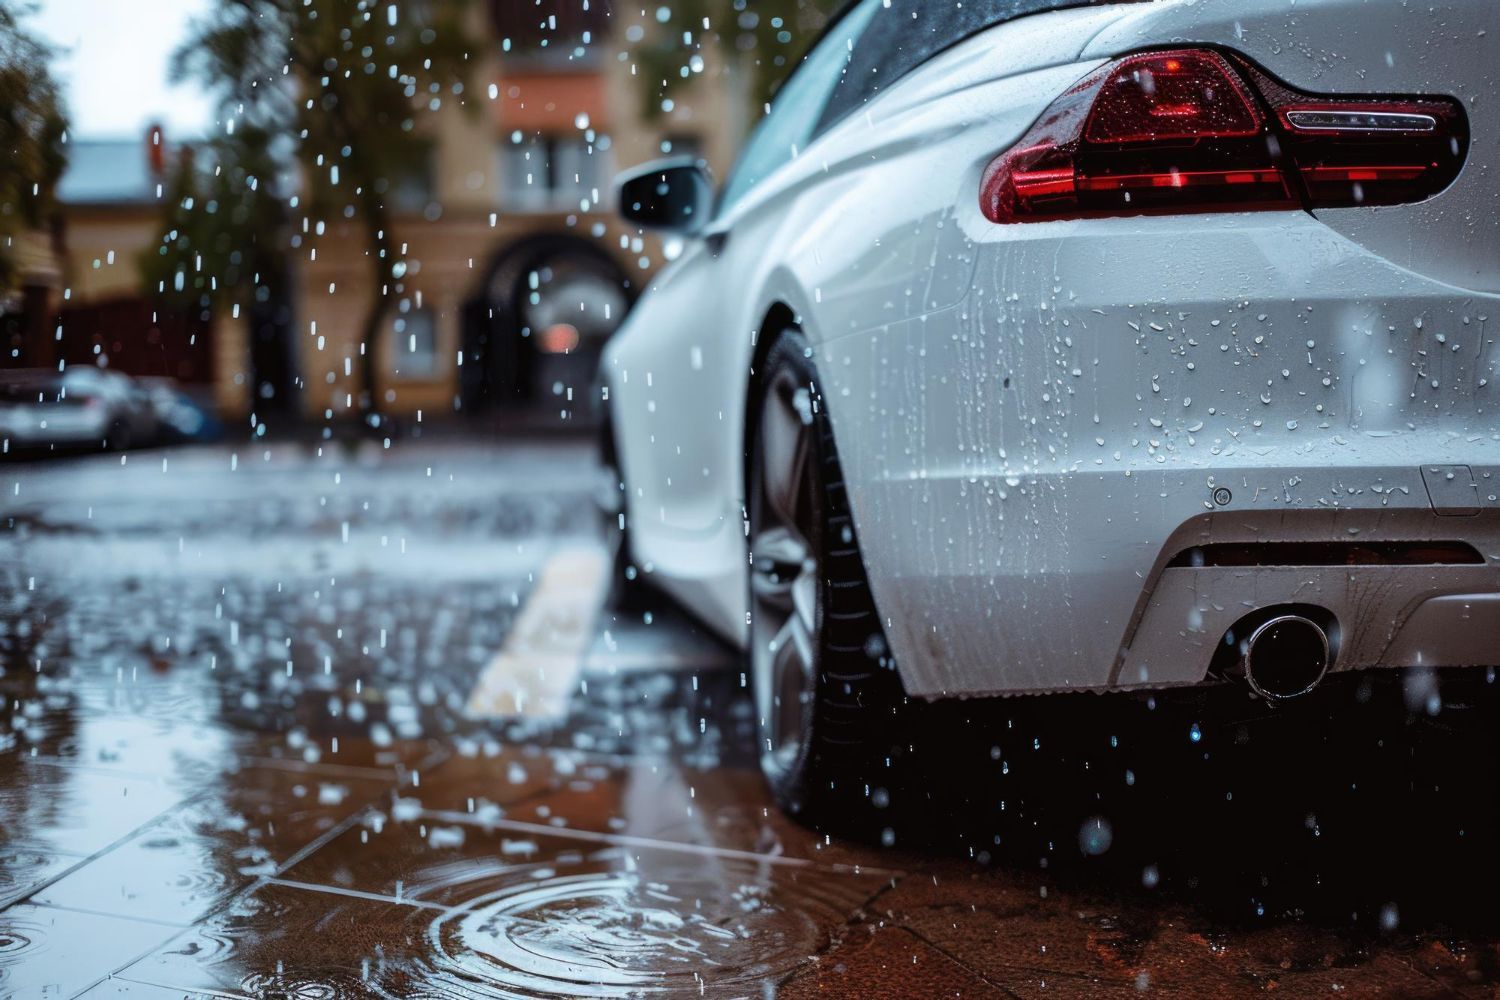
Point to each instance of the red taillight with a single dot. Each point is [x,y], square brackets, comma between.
[1185,131]
[1165,96]
[1357,151]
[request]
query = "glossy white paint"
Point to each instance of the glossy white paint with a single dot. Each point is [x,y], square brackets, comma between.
[1032,419]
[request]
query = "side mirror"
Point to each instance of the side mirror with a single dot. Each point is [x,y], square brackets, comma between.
[676,195]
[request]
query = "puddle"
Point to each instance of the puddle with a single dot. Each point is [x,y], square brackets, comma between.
[644,926]
[14,943]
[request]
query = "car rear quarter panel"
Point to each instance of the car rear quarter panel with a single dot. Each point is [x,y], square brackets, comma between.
[1024,457]
[856,232]
[1018,460]
[1370,47]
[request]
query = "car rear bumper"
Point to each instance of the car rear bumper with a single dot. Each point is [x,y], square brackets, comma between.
[1024,465]
[1104,590]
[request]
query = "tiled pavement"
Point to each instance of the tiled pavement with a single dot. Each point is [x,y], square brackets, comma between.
[519,871]
[181,815]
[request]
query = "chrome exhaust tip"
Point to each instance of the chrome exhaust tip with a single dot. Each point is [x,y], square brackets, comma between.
[1285,657]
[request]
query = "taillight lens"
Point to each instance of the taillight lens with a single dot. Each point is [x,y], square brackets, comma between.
[1186,131]
[1357,151]
[1171,96]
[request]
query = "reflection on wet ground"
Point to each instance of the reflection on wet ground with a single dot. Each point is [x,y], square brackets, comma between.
[237,759]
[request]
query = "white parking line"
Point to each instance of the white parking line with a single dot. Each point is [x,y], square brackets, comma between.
[627,644]
[537,669]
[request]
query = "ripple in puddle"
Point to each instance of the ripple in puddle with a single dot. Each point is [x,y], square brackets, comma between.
[657,923]
[13,941]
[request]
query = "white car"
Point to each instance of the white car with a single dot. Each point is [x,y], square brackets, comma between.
[1044,346]
[80,407]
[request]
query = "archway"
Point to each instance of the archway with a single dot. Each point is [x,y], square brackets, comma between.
[539,322]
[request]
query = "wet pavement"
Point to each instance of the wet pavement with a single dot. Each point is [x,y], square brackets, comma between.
[288,723]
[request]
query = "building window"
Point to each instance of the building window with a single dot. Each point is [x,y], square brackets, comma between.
[552,173]
[414,342]
[413,188]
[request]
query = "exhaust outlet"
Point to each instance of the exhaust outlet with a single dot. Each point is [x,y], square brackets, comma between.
[1285,657]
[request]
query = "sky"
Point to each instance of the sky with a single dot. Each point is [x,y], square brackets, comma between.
[114,65]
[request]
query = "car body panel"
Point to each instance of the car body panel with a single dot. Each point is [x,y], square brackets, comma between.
[28,424]
[677,370]
[1367,47]
[1030,417]
[77,407]
[1064,434]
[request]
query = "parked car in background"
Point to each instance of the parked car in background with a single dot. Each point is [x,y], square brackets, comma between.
[80,407]
[179,417]
[1053,346]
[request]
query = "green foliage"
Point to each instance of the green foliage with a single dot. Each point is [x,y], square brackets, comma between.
[343,81]
[763,40]
[223,222]
[320,101]
[33,129]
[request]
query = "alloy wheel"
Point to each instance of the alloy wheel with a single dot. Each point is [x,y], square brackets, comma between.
[784,574]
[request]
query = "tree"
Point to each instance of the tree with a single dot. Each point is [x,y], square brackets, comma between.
[763,40]
[224,222]
[334,86]
[33,131]
[224,243]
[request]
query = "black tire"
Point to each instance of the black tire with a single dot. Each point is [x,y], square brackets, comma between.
[627,590]
[118,437]
[843,770]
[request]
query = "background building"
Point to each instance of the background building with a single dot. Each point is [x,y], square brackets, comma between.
[111,198]
[516,267]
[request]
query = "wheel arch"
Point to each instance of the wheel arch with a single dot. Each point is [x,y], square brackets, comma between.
[777,318]
[490,311]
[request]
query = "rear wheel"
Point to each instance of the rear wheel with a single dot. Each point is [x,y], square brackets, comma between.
[118,436]
[627,588]
[827,695]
